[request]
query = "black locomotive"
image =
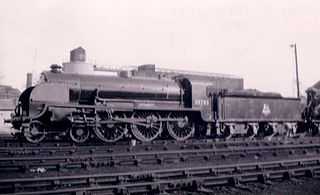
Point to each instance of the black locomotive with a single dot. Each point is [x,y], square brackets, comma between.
[151,104]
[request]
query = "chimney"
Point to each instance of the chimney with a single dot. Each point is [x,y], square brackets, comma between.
[78,55]
[77,64]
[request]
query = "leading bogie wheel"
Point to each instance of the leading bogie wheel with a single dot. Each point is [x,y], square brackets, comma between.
[35,133]
[79,134]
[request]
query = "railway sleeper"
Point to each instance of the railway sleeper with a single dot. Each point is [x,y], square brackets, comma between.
[92,163]
[207,180]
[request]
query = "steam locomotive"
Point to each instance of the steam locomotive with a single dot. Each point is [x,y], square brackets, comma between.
[146,104]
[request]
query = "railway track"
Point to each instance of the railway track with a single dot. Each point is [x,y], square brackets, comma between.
[43,161]
[12,142]
[156,167]
[164,180]
[21,148]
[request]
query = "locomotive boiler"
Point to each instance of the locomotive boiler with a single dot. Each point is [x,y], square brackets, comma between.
[146,104]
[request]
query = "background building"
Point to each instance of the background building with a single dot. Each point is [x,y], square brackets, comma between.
[8,99]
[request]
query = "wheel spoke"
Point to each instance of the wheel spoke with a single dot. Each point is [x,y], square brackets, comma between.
[148,128]
[182,128]
[111,132]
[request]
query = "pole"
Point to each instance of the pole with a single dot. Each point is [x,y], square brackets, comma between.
[297,68]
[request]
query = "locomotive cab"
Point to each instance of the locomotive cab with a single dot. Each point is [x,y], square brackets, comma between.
[186,92]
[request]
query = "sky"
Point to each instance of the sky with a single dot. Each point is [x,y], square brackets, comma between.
[247,38]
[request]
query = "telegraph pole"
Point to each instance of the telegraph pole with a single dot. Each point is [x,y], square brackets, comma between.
[294,46]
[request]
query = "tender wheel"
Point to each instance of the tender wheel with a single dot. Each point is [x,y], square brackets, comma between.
[251,131]
[35,133]
[79,134]
[146,126]
[265,130]
[226,132]
[179,126]
[314,129]
[109,130]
